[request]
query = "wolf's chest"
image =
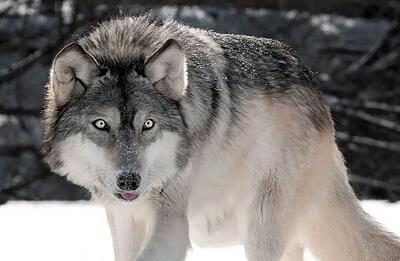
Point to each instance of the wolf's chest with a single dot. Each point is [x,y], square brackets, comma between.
[218,201]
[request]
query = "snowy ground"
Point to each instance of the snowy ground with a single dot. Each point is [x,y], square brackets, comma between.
[78,231]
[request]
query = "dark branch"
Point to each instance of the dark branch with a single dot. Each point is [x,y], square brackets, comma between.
[374,183]
[386,145]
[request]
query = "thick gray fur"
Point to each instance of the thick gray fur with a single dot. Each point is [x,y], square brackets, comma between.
[255,160]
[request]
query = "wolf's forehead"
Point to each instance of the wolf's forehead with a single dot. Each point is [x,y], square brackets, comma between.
[110,112]
[120,89]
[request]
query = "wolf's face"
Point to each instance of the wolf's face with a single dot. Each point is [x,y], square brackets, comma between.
[116,128]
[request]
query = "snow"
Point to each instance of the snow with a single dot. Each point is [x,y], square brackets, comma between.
[78,231]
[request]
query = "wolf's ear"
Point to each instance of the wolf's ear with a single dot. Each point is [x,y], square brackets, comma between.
[166,69]
[72,71]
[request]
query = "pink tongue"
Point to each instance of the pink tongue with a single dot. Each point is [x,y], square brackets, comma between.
[129,196]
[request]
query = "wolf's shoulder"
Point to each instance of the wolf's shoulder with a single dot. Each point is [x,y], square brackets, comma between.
[261,61]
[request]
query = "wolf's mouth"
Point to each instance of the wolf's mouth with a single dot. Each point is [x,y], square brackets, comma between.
[127,196]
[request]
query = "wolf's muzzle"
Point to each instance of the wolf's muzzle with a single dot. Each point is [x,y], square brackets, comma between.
[128,181]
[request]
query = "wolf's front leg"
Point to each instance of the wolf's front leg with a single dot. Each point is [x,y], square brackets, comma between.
[271,222]
[294,253]
[127,234]
[169,239]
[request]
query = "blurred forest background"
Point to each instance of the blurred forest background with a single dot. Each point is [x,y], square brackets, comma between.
[353,46]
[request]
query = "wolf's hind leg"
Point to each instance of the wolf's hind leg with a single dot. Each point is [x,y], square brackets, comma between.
[338,229]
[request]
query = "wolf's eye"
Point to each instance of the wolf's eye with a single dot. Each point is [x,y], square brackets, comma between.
[148,124]
[101,125]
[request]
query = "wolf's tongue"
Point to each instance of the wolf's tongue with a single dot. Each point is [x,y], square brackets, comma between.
[129,196]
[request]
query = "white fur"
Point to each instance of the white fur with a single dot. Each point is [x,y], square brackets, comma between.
[159,160]
[84,162]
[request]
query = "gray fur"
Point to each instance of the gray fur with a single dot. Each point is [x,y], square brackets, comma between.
[252,131]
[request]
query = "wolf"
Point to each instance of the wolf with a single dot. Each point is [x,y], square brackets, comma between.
[192,136]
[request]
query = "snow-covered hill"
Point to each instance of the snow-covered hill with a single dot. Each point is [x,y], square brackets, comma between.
[78,231]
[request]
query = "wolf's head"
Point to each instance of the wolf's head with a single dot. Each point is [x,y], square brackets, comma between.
[114,126]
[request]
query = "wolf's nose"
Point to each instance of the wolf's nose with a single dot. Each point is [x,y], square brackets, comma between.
[128,181]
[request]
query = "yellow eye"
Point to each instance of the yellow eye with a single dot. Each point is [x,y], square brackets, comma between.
[101,125]
[148,124]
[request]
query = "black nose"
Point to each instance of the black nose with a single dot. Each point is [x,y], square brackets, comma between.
[128,181]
